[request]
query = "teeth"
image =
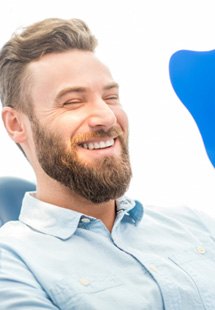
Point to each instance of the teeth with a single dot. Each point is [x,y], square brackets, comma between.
[90,146]
[98,145]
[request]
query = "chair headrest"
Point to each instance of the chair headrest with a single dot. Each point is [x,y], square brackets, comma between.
[192,74]
[12,191]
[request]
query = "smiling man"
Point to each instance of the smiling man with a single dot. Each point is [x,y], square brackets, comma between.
[76,115]
[79,242]
[77,129]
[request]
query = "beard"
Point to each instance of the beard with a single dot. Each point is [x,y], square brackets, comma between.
[100,181]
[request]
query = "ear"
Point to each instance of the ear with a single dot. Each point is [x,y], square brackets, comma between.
[14,124]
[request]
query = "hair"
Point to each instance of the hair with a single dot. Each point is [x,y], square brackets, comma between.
[51,35]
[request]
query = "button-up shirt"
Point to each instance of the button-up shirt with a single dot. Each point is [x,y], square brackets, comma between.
[154,258]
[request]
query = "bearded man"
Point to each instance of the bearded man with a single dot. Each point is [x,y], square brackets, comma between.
[79,242]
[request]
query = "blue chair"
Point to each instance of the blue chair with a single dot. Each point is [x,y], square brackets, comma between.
[192,74]
[12,191]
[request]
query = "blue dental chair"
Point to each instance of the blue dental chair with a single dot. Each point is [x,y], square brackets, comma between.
[12,191]
[192,74]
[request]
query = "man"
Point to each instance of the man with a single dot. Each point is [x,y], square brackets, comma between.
[79,242]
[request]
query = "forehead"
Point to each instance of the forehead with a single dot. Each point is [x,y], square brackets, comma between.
[56,71]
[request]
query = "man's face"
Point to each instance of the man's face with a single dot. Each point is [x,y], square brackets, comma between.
[79,128]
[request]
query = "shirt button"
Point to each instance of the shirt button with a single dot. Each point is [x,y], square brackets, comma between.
[200,249]
[84,281]
[153,268]
[85,220]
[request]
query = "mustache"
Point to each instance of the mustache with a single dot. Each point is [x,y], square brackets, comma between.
[81,138]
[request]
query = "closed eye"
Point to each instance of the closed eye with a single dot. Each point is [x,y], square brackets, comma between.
[72,101]
[113,99]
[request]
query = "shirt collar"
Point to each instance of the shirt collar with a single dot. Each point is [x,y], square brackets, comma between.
[61,222]
[132,208]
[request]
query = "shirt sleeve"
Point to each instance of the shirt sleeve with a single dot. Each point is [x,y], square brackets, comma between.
[18,287]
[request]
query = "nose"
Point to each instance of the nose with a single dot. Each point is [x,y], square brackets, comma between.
[101,116]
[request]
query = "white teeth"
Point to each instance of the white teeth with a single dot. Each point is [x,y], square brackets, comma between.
[98,145]
[109,143]
[102,144]
[90,146]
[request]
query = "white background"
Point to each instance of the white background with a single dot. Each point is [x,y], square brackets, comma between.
[136,39]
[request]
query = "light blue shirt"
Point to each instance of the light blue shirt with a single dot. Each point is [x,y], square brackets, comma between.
[55,258]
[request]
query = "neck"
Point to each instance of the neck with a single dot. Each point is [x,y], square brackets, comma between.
[54,193]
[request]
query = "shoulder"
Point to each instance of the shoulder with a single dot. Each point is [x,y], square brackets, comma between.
[11,228]
[14,234]
[181,217]
[174,212]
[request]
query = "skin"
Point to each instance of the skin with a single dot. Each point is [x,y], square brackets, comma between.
[73,93]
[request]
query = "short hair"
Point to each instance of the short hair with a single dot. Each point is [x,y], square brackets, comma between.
[52,35]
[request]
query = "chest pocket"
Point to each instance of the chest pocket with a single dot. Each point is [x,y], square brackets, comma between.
[199,265]
[84,292]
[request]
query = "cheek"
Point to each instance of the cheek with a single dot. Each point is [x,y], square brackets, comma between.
[68,125]
[122,119]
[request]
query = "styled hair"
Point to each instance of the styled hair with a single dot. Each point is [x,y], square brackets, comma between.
[51,35]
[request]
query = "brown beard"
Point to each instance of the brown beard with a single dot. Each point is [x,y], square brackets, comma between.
[106,179]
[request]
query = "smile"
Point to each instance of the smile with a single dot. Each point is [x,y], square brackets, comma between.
[98,144]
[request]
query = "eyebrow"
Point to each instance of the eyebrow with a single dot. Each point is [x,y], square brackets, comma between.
[111,85]
[80,89]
